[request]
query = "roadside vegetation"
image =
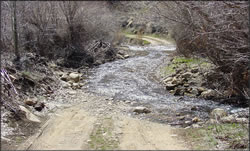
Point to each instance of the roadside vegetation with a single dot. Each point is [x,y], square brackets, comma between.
[217,136]
[187,62]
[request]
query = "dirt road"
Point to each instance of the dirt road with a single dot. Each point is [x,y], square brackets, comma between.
[97,122]
[144,135]
[152,40]
[75,129]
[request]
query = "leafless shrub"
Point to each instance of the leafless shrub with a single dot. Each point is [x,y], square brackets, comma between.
[54,29]
[9,93]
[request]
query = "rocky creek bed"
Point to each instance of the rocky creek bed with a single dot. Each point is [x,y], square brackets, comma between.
[179,97]
[134,81]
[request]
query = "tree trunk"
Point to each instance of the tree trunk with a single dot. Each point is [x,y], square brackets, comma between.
[15,35]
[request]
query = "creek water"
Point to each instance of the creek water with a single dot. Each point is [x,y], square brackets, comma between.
[132,79]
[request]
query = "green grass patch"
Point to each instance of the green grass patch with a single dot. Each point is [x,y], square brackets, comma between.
[126,32]
[101,136]
[170,69]
[183,62]
[178,60]
[145,42]
[19,139]
[233,136]
[157,36]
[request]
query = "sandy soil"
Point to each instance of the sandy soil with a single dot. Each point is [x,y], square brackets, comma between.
[144,135]
[70,129]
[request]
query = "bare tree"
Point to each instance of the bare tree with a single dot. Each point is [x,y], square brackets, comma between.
[15,34]
[69,9]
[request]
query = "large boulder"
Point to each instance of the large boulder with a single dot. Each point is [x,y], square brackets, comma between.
[29,116]
[168,79]
[186,75]
[179,91]
[141,109]
[121,52]
[194,91]
[75,86]
[30,102]
[170,86]
[194,70]
[126,56]
[65,84]
[218,113]
[196,119]
[75,77]
[175,81]
[209,94]
[201,89]
[64,77]
[119,56]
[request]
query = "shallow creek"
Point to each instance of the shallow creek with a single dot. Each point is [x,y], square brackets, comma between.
[133,79]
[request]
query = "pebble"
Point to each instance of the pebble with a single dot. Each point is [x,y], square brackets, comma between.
[178,114]
[195,119]
[181,118]
[141,109]
[88,141]
[119,133]
[194,108]
[39,106]
[72,92]
[30,102]
[128,102]
[133,103]
[196,126]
